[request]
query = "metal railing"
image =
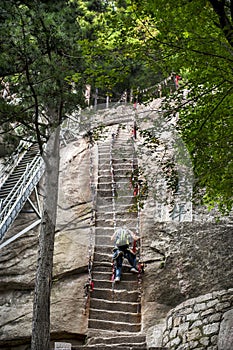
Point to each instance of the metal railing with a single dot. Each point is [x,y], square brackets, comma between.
[7,168]
[13,203]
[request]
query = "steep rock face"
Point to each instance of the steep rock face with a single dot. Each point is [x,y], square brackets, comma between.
[187,255]
[182,260]
[18,260]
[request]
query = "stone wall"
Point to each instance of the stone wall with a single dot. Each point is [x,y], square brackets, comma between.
[182,261]
[195,323]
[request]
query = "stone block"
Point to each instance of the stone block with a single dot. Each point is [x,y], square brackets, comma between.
[193,317]
[196,324]
[214,339]
[211,303]
[219,293]
[183,328]
[193,345]
[222,306]
[186,311]
[204,341]
[175,342]
[211,329]
[173,333]
[215,317]
[165,340]
[177,321]
[194,334]
[205,297]
[207,312]
[62,346]
[200,307]
[169,322]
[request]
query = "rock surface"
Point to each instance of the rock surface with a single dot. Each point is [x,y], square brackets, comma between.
[225,337]
[182,260]
[18,260]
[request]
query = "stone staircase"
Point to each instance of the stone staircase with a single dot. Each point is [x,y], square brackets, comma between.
[115,308]
[114,314]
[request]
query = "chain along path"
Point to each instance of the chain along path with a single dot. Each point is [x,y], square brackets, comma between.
[114,308]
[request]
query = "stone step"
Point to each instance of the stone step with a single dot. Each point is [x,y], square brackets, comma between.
[117,165]
[105,239]
[119,346]
[119,213]
[104,148]
[104,222]
[114,306]
[121,176]
[129,221]
[117,185]
[104,250]
[123,285]
[101,276]
[115,316]
[98,257]
[113,339]
[121,146]
[119,207]
[126,156]
[123,153]
[115,347]
[105,192]
[102,257]
[105,180]
[114,326]
[128,159]
[104,266]
[118,192]
[103,200]
[118,200]
[104,170]
[109,230]
[104,230]
[104,155]
[115,295]
[118,181]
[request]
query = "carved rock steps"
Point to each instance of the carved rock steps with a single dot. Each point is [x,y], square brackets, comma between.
[114,307]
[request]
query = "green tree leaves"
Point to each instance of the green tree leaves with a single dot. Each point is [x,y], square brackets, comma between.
[194,39]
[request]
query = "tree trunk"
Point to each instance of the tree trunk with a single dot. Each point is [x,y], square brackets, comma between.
[43,283]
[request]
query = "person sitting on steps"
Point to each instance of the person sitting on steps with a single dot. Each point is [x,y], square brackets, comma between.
[123,239]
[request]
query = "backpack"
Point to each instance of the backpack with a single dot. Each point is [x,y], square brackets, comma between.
[122,237]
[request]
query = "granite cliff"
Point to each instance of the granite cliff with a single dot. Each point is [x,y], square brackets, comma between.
[184,262]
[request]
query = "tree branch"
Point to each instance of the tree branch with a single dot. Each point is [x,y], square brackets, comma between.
[224,21]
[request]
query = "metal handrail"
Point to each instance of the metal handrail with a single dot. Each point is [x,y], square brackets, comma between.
[7,169]
[20,193]
[20,185]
